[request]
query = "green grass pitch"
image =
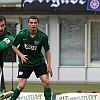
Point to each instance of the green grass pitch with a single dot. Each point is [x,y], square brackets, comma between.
[57,88]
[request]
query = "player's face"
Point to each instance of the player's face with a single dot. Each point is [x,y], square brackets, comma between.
[2,27]
[33,24]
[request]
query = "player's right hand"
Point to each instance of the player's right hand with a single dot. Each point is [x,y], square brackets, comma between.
[24,58]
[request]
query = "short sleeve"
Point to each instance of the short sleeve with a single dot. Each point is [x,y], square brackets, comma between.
[17,39]
[46,44]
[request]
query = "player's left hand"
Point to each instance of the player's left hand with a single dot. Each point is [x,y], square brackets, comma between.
[49,70]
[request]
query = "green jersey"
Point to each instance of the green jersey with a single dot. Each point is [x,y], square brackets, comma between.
[31,46]
[6,40]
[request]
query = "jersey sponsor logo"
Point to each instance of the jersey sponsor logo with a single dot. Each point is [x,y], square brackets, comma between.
[30,46]
[6,40]
[20,73]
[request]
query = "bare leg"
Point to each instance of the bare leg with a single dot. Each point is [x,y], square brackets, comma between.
[47,89]
[20,87]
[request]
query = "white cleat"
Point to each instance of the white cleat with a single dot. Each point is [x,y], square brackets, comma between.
[6,95]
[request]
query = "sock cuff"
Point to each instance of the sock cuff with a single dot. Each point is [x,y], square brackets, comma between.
[17,91]
[47,89]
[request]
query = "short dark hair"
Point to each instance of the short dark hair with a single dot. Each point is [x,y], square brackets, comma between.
[2,18]
[33,17]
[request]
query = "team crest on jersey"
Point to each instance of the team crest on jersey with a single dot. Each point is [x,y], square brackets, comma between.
[30,46]
[36,42]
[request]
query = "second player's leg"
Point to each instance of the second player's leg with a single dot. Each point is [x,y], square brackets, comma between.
[4,95]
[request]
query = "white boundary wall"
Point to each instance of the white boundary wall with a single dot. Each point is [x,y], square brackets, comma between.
[62,96]
[78,96]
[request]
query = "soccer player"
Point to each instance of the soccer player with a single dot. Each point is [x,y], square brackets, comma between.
[6,40]
[28,44]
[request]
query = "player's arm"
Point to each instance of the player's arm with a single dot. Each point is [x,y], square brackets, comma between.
[3,45]
[6,42]
[47,54]
[17,41]
[22,56]
[48,58]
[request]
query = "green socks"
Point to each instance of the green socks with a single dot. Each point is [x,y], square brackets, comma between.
[47,93]
[16,94]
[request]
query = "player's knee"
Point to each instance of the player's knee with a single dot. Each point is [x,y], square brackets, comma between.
[21,86]
[47,83]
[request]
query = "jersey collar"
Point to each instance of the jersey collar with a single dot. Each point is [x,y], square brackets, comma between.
[29,34]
